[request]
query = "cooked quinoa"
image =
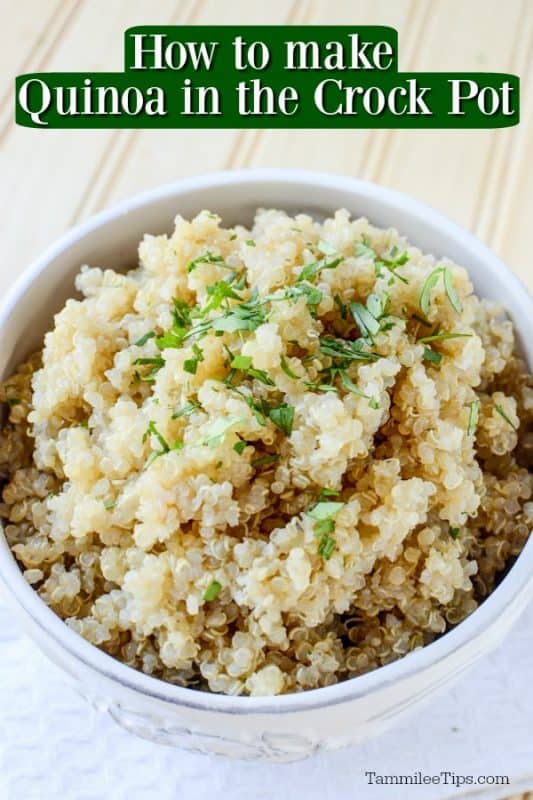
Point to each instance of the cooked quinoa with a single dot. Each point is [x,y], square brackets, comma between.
[269,459]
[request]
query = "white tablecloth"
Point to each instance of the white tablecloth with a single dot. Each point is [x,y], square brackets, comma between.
[53,746]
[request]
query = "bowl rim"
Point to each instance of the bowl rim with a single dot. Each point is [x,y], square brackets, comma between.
[517,582]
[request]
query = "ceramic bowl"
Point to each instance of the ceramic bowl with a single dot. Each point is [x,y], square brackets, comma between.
[291,726]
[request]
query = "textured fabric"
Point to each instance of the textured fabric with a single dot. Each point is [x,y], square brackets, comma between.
[54,746]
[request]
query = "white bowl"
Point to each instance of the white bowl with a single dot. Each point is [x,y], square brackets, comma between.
[291,726]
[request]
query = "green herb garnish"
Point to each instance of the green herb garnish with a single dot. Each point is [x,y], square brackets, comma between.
[157,362]
[346,350]
[430,283]
[428,286]
[396,259]
[473,418]
[283,417]
[190,365]
[212,591]
[453,297]
[244,317]
[454,532]
[310,271]
[186,411]
[323,512]
[165,447]
[431,355]
[436,337]
[287,370]
[326,248]
[170,339]
[219,430]
[363,249]
[206,258]
[341,306]
[502,414]
[325,492]
[264,461]
[322,387]
[326,546]
[152,431]
[145,338]
[109,504]
[241,362]
[181,313]
[240,446]
[367,323]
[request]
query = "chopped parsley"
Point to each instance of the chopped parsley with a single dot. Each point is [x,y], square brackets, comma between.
[163,444]
[259,407]
[428,286]
[341,306]
[326,248]
[287,370]
[187,410]
[368,324]
[323,512]
[310,271]
[240,446]
[325,492]
[431,355]
[453,297]
[206,258]
[241,362]
[396,259]
[430,283]
[219,430]
[454,532]
[152,431]
[283,417]
[109,504]
[343,352]
[212,591]
[156,363]
[250,242]
[181,313]
[473,417]
[346,349]
[190,365]
[371,318]
[170,339]
[244,364]
[326,546]
[351,386]
[13,401]
[145,338]
[264,461]
[311,293]
[363,249]
[321,387]
[436,337]
[324,509]
[246,316]
[504,416]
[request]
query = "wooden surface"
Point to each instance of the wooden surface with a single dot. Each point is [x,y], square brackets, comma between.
[52,179]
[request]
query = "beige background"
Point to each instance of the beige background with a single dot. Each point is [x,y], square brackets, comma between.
[53,179]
